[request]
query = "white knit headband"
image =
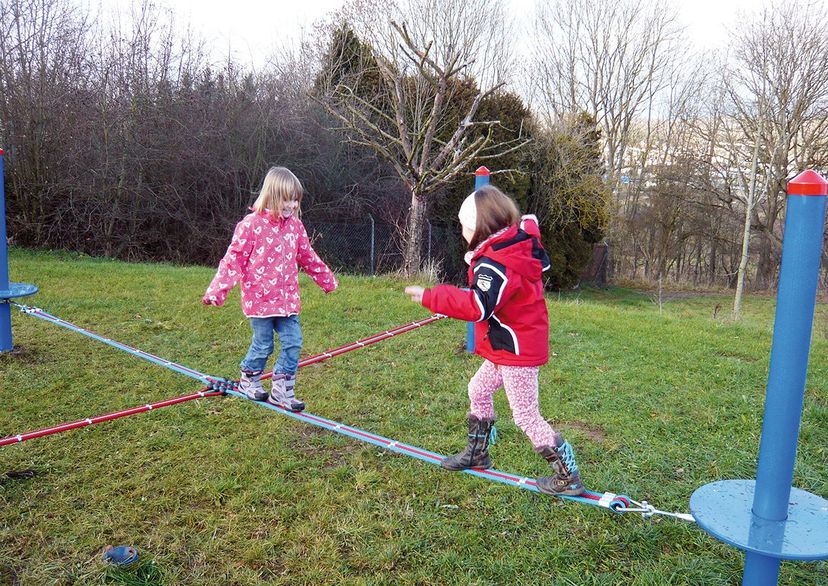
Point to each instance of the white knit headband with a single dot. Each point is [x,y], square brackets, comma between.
[468,213]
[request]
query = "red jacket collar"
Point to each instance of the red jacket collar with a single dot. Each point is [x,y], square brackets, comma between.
[502,234]
[516,255]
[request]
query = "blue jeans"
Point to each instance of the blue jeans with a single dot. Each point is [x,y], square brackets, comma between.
[261,347]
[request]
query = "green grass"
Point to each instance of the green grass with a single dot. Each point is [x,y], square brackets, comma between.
[220,491]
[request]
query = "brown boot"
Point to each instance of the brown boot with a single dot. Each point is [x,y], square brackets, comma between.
[567,479]
[476,454]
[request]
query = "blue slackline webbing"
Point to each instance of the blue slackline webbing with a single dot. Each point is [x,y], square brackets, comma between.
[605,500]
[39,313]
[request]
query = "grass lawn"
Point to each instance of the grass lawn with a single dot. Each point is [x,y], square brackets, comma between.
[656,401]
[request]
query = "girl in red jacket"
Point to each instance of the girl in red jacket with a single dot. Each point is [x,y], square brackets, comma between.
[505,300]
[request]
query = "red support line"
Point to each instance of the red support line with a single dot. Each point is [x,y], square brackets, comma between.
[364,342]
[206,391]
[13,439]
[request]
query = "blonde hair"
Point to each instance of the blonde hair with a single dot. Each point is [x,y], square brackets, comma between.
[279,187]
[495,211]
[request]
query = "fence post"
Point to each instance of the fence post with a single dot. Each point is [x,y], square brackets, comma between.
[5,308]
[768,518]
[8,290]
[481,178]
[370,217]
[428,255]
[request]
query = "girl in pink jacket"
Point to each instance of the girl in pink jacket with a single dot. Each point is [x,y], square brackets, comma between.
[268,246]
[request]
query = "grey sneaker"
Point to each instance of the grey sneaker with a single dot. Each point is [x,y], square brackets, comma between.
[250,385]
[283,394]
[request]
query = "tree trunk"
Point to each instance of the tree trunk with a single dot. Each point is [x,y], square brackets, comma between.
[749,203]
[764,268]
[414,235]
[740,279]
[711,273]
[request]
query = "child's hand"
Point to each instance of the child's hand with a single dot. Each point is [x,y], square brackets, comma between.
[211,300]
[415,292]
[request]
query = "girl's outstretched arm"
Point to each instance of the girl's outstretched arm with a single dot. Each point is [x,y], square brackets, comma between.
[490,289]
[310,262]
[232,266]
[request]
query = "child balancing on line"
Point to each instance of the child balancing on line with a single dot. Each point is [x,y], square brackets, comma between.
[511,332]
[267,245]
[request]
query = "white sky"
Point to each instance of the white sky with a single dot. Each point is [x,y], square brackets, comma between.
[252,28]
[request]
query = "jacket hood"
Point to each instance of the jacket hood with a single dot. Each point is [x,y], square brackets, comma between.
[518,247]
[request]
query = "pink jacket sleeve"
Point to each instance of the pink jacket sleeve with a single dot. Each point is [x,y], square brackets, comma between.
[232,266]
[313,265]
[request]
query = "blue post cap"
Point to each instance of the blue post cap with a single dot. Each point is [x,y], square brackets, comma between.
[808,183]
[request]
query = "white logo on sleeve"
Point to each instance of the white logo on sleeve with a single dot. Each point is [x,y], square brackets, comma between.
[484,282]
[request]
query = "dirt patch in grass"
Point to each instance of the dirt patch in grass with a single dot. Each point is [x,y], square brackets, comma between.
[311,440]
[19,354]
[593,432]
[8,575]
[736,356]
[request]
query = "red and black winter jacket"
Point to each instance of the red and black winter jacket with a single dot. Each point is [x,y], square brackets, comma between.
[505,298]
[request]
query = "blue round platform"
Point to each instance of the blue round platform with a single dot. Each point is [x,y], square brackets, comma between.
[18,290]
[723,509]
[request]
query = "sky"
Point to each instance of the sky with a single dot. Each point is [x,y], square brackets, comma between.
[252,28]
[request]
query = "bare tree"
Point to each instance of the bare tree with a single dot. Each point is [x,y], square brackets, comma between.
[43,44]
[427,70]
[779,92]
[609,60]
[752,196]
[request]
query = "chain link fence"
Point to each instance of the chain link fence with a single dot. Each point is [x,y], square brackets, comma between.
[370,247]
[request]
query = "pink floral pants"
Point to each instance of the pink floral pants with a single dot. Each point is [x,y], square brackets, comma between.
[521,384]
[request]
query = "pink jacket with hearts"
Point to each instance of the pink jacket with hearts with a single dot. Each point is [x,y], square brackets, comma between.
[264,256]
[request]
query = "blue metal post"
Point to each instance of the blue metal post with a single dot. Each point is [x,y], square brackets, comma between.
[481,178]
[760,570]
[796,299]
[5,308]
[769,518]
[8,290]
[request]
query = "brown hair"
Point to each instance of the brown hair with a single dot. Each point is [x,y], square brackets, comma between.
[495,211]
